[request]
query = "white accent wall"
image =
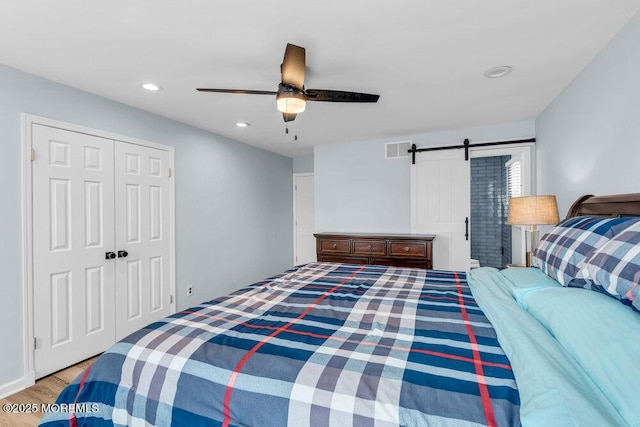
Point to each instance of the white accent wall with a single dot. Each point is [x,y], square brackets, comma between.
[233,201]
[589,136]
[358,190]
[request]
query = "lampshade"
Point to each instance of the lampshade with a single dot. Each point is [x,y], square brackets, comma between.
[533,210]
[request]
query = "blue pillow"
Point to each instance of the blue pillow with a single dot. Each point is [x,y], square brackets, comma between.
[615,267]
[600,334]
[561,252]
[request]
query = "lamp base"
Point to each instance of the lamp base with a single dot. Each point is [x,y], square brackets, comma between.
[534,233]
[529,259]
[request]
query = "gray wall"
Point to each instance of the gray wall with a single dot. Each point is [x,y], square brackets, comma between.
[233,201]
[303,164]
[589,136]
[358,190]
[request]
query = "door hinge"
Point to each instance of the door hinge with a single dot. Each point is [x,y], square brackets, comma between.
[33,154]
[35,343]
[170,172]
[170,299]
[296,187]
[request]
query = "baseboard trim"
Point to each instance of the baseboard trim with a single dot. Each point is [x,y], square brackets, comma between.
[18,385]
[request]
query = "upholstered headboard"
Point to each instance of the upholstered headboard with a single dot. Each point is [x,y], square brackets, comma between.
[614,206]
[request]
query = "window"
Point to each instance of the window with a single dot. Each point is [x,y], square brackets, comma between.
[514,178]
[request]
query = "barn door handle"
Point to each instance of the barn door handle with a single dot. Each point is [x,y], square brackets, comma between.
[109,255]
[122,254]
[466,228]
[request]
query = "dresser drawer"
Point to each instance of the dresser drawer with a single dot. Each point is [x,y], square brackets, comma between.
[369,247]
[400,262]
[334,246]
[407,248]
[343,259]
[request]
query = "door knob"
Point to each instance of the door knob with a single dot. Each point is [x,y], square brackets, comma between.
[109,255]
[122,254]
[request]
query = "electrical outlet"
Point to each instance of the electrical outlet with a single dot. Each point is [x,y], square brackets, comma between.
[190,291]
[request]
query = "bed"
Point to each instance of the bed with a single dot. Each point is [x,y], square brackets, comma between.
[362,345]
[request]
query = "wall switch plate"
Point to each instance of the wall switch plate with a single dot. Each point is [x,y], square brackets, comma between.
[190,291]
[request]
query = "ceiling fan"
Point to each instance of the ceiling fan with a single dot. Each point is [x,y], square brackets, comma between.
[292,96]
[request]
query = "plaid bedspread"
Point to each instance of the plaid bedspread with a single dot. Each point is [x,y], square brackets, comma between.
[323,344]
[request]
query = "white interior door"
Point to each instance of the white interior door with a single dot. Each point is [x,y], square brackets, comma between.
[305,242]
[142,201]
[73,228]
[441,204]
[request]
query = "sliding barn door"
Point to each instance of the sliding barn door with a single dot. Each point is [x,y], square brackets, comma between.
[142,205]
[73,228]
[441,206]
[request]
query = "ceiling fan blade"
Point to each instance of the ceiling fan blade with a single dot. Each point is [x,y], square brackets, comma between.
[288,117]
[250,92]
[339,96]
[292,67]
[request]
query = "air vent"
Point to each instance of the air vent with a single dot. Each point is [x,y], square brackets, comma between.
[397,150]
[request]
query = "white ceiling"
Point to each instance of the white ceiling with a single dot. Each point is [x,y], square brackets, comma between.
[426,58]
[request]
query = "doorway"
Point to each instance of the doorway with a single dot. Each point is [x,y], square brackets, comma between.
[491,242]
[516,179]
[304,243]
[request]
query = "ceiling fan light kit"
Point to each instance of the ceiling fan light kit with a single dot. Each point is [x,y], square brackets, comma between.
[292,96]
[290,100]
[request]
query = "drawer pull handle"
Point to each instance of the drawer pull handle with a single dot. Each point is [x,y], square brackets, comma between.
[406,248]
[335,245]
[370,247]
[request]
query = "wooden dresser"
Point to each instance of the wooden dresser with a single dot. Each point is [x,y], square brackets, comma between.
[399,250]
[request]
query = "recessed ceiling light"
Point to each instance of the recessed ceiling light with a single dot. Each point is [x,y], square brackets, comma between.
[243,124]
[495,72]
[151,87]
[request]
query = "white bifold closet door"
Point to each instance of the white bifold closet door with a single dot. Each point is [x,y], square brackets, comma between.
[101,243]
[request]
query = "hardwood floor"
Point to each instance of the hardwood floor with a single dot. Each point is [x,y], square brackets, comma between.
[44,391]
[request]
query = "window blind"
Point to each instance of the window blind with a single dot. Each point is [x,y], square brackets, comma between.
[514,178]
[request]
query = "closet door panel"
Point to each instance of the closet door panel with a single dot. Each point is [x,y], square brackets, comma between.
[142,230]
[73,228]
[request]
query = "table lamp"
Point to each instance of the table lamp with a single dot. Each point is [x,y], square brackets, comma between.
[532,211]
